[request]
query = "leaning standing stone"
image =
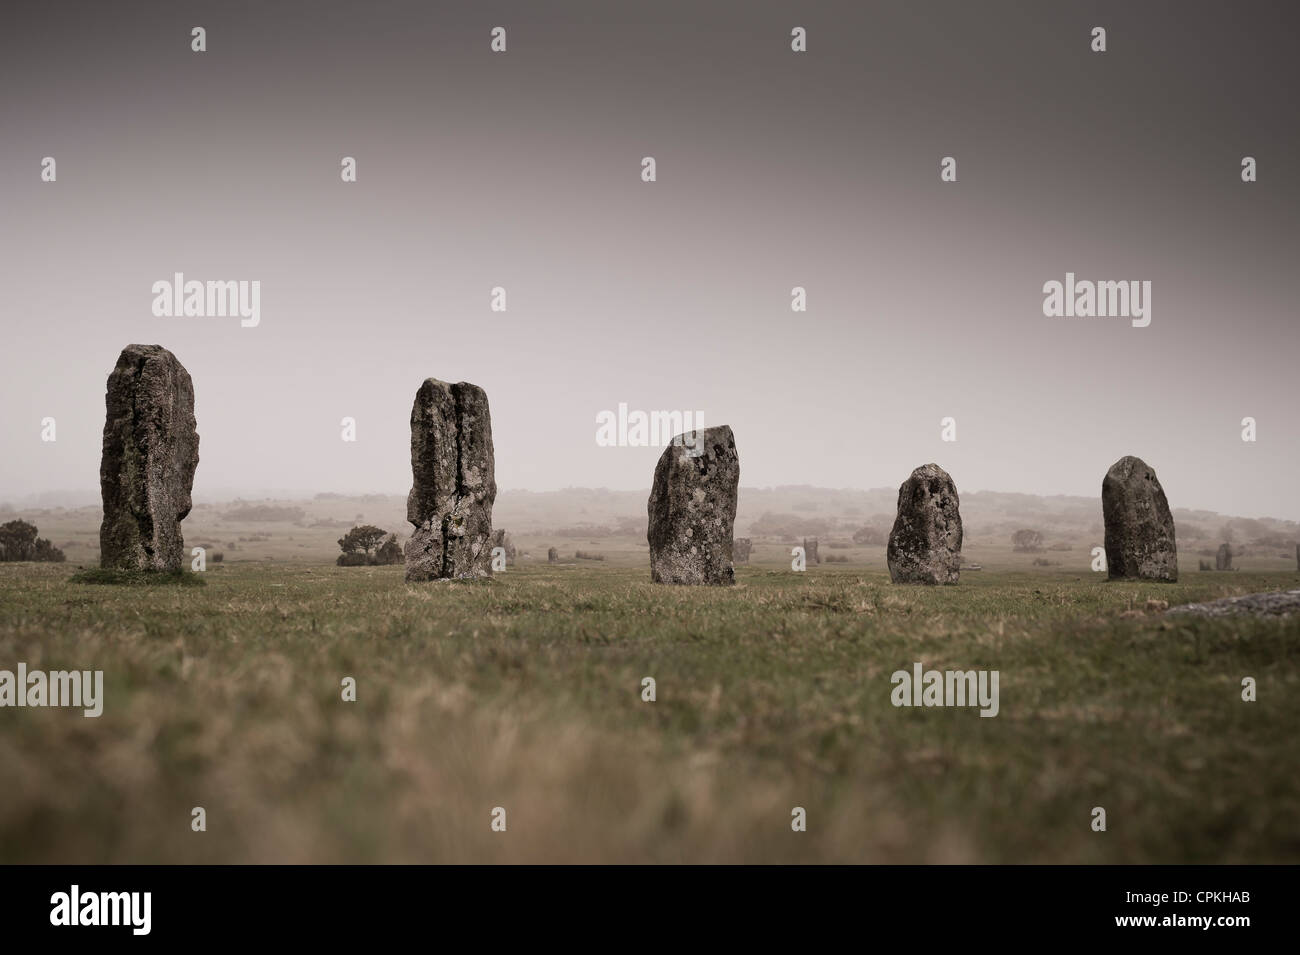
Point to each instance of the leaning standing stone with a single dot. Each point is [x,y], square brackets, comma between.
[692,509]
[151,449]
[453,483]
[925,544]
[1139,528]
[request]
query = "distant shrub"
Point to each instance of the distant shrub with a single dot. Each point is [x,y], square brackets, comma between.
[358,543]
[218,557]
[390,551]
[836,558]
[363,538]
[1044,562]
[18,541]
[588,555]
[1027,541]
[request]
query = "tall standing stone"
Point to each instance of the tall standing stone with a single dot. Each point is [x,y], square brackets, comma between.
[1139,528]
[453,483]
[740,549]
[692,509]
[925,543]
[151,450]
[810,552]
[1223,559]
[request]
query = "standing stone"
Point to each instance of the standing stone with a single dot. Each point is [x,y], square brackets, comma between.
[925,543]
[740,549]
[692,509]
[1139,528]
[151,449]
[1297,558]
[810,551]
[1223,559]
[454,483]
[501,539]
[552,556]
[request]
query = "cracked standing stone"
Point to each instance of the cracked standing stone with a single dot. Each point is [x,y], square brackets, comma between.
[453,483]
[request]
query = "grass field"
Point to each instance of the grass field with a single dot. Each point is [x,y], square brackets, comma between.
[524,692]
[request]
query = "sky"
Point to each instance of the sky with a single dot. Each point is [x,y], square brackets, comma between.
[774,169]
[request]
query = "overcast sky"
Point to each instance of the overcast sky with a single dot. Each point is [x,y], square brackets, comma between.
[775,169]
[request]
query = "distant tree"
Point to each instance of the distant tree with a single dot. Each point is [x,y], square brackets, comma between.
[363,539]
[18,541]
[17,538]
[390,552]
[1027,541]
[44,550]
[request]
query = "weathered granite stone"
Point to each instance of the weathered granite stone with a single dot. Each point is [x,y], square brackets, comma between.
[1139,528]
[740,549]
[454,483]
[1223,559]
[552,556]
[810,551]
[151,450]
[925,543]
[692,509]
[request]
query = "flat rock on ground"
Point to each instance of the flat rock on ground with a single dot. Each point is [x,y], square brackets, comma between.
[1276,603]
